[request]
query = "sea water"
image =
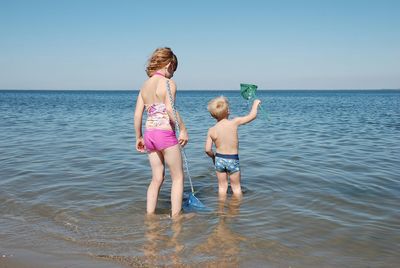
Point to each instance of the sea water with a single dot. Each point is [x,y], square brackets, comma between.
[320,175]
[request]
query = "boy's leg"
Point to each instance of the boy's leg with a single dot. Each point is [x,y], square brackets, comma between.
[173,158]
[235,183]
[221,203]
[234,205]
[222,183]
[157,168]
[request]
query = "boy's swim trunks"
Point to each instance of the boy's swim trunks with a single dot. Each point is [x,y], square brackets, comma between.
[228,163]
[159,139]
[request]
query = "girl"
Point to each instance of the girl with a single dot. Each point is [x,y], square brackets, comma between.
[159,139]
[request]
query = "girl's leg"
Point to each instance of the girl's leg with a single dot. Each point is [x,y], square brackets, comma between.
[222,184]
[157,168]
[173,159]
[235,183]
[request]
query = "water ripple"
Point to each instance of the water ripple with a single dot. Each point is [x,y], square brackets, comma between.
[320,181]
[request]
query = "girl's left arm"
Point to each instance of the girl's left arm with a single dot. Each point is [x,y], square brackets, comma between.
[183,135]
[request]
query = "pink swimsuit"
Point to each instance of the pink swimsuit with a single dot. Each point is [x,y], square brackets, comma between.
[159,134]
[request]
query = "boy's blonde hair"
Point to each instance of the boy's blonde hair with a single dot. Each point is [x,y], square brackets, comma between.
[218,107]
[159,59]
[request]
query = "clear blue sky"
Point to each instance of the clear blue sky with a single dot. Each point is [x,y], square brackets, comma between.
[84,44]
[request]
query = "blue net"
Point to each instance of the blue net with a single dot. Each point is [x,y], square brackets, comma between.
[192,203]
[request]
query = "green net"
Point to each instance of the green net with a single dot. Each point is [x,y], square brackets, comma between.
[248,91]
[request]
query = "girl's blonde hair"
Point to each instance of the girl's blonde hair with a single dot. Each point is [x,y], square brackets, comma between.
[218,107]
[159,59]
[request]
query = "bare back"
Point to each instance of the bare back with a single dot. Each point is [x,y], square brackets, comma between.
[157,103]
[154,90]
[224,134]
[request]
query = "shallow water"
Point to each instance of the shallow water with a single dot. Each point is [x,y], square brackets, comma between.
[320,177]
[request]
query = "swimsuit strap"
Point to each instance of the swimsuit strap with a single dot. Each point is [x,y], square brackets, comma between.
[157,73]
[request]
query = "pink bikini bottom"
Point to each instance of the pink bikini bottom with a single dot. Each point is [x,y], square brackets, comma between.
[159,139]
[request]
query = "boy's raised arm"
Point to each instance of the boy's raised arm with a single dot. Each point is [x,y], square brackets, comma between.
[251,116]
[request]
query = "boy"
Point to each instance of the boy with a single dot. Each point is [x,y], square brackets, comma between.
[224,134]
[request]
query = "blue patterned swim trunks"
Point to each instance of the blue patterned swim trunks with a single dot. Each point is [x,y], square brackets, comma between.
[228,163]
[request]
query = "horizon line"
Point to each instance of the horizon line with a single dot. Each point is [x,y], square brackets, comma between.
[271,89]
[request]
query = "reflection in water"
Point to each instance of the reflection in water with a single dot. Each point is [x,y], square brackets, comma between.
[223,243]
[162,248]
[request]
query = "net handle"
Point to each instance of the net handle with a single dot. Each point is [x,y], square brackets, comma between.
[178,130]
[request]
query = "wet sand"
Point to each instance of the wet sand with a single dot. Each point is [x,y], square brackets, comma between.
[23,258]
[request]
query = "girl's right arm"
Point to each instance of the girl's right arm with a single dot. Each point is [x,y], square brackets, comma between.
[250,117]
[138,123]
